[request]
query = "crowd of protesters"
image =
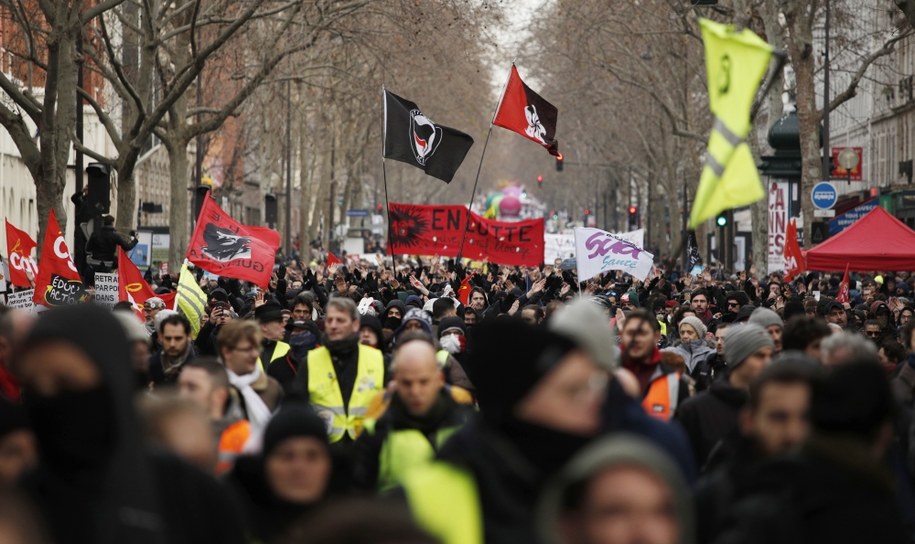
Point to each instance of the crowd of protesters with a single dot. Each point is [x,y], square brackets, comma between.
[365,403]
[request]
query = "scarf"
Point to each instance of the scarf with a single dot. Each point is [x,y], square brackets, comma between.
[258,413]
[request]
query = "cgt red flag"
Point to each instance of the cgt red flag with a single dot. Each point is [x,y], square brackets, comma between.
[527,113]
[464,290]
[843,295]
[225,247]
[131,285]
[794,259]
[23,269]
[58,283]
[332,259]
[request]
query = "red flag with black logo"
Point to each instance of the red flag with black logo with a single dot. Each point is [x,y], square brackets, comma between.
[464,290]
[843,295]
[23,269]
[225,247]
[332,259]
[58,283]
[523,111]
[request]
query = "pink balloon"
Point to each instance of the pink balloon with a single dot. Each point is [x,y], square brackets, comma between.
[510,206]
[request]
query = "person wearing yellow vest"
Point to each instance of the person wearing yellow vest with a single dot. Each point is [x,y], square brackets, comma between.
[341,377]
[421,416]
[540,398]
[276,355]
[204,381]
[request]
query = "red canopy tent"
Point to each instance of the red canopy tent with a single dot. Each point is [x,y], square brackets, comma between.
[877,241]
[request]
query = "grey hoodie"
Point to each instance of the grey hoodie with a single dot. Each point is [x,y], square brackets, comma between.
[618,450]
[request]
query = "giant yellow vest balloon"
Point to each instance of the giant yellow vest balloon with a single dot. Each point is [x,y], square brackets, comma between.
[735,63]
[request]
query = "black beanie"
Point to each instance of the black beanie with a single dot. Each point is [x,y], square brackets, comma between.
[268,312]
[508,358]
[853,398]
[451,322]
[293,420]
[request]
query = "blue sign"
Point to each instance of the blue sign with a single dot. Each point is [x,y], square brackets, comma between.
[845,220]
[357,213]
[824,195]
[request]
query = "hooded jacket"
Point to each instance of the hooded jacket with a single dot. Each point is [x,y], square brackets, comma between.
[620,450]
[693,352]
[95,481]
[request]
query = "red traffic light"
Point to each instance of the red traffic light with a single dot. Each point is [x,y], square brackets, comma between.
[539,179]
[587,211]
[633,210]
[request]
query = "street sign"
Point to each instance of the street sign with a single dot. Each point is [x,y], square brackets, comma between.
[824,213]
[824,195]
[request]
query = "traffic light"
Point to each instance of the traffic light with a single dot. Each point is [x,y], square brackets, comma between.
[539,181]
[200,193]
[633,217]
[379,208]
[553,215]
[98,196]
[722,219]
[270,210]
[559,162]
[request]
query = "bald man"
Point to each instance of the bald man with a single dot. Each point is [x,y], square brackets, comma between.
[421,416]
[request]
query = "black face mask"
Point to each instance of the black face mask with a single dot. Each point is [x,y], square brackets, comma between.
[75,429]
[392,323]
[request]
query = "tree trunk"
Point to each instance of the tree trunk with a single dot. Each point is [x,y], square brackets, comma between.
[179,228]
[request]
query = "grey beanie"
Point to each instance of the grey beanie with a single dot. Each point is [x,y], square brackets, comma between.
[583,322]
[696,324]
[764,317]
[744,340]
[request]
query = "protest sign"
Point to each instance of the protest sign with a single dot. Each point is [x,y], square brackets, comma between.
[21,300]
[437,230]
[106,289]
[598,251]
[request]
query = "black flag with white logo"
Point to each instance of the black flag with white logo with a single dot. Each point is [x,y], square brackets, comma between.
[411,137]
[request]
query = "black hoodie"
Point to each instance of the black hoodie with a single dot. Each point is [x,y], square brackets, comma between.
[96,482]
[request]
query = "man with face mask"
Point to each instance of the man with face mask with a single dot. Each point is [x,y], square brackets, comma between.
[421,416]
[95,481]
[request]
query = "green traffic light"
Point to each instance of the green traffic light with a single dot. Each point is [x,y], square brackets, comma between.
[722,220]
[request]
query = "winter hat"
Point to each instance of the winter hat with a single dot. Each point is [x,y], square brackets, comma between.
[764,317]
[414,301]
[160,317]
[154,302]
[852,398]
[744,313]
[134,329]
[696,324]
[268,312]
[633,297]
[794,307]
[294,420]
[743,341]
[416,314]
[451,322]
[586,324]
[373,323]
[508,357]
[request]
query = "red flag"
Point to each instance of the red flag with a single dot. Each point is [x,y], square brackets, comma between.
[20,245]
[794,259]
[332,259]
[58,282]
[225,247]
[843,296]
[527,113]
[131,285]
[464,290]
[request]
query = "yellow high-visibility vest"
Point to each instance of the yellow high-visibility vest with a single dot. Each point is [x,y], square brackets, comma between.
[445,502]
[327,399]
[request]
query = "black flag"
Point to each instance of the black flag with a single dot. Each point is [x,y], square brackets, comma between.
[411,137]
[692,250]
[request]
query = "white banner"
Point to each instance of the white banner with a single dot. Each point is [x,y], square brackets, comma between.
[778,224]
[558,246]
[598,251]
[21,300]
[106,289]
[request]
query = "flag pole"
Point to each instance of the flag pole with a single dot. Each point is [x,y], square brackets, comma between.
[384,171]
[476,180]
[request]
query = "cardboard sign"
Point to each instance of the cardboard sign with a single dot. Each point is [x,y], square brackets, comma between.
[106,289]
[598,251]
[21,300]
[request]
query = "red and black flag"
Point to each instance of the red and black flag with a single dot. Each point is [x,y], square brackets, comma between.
[411,137]
[225,247]
[527,113]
